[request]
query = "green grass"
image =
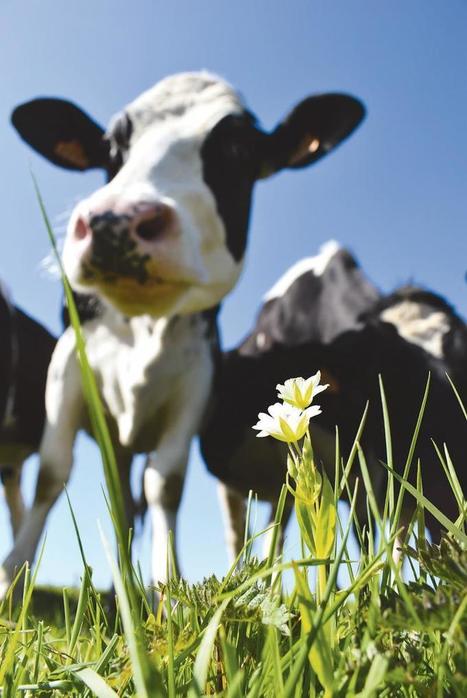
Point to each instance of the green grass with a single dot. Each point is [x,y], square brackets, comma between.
[243,635]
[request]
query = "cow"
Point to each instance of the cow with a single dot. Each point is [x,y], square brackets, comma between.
[158,247]
[323,314]
[25,351]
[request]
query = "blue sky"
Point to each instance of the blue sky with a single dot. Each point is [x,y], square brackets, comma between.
[396,192]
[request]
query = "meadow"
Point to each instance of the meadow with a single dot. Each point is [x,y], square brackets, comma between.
[243,635]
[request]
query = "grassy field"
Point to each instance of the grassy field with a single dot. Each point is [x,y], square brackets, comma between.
[243,635]
[240,636]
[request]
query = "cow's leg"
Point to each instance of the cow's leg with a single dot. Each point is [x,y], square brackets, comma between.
[64,408]
[165,469]
[163,487]
[11,480]
[234,517]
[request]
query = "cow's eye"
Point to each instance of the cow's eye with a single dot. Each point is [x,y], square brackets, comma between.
[121,130]
[118,138]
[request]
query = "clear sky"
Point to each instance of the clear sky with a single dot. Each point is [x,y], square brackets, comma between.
[396,192]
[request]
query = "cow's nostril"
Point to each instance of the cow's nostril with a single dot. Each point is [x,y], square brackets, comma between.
[81,229]
[151,228]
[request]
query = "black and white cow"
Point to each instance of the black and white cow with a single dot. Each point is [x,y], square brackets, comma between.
[323,314]
[160,246]
[25,351]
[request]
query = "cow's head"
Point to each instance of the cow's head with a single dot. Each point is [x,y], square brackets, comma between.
[167,233]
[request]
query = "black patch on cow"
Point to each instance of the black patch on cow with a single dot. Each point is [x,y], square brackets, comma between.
[113,251]
[231,155]
[89,307]
[211,316]
[5,354]
[212,334]
[28,373]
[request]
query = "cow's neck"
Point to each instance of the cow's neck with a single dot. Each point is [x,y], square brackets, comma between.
[141,364]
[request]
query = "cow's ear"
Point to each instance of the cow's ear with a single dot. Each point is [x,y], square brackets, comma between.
[311,130]
[62,133]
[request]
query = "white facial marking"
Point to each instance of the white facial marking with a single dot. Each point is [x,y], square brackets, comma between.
[419,324]
[204,97]
[190,267]
[315,264]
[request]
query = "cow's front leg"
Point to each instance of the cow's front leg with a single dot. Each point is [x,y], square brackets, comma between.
[64,414]
[163,487]
[165,469]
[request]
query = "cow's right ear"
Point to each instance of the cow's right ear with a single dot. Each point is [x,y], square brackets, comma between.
[62,133]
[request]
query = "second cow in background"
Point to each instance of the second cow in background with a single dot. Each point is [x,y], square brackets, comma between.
[324,314]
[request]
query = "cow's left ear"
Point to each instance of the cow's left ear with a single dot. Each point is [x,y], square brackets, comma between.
[311,130]
[62,132]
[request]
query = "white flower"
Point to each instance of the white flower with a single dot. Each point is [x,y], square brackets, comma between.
[285,422]
[300,392]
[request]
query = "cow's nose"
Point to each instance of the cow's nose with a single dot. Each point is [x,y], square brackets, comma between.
[147,222]
[152,222]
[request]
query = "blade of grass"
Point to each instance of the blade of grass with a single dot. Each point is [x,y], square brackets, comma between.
[96,683]
[459,399]
[297,667]
[353,452]
[170,633]
[422,500]
[375,677]
[451,474]
[8,657]
[139,660]
[413,443]
[203,657]
[276,526]
[80,611]
[59,685]
[38,650]
[275,659]
[384,543]
[247,541]
[389,503]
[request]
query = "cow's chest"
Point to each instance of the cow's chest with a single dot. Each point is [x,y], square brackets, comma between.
[144,367]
